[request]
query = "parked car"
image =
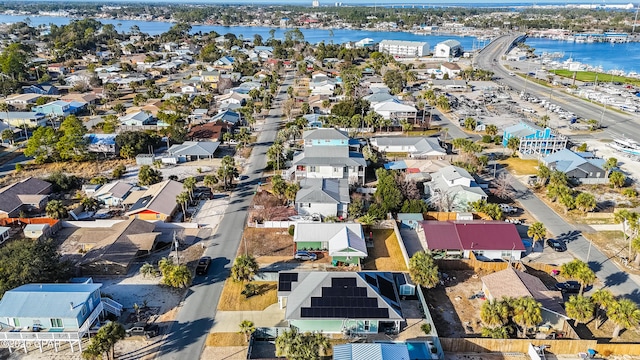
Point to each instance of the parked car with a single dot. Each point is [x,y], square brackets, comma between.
[557,245]
[203,265]
[305,255]
[569,287]
[508,209]
[142,329]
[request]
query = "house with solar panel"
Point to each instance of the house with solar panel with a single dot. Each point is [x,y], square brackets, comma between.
[343,302]
[343,242]
[51,314]
[328,154]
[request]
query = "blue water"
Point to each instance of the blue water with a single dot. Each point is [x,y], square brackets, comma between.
[610,56]
[418,351]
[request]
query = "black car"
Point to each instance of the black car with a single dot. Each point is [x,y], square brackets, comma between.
[557,245]
[569,287]
[203,265]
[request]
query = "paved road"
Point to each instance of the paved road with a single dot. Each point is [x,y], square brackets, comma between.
[614,279]
[616,124]
[186,338]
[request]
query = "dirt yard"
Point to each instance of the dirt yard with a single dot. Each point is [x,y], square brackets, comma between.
[385,255]
[267,242]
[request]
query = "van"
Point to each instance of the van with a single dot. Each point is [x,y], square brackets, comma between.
[528,110]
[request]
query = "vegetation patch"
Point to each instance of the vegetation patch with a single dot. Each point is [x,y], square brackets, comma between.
[520,166]
[385,254]
[232,298]
[590,76]
[226,339]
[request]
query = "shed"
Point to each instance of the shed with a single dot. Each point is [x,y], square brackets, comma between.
[410,220]
[145,159]
[4,234]
[37,231]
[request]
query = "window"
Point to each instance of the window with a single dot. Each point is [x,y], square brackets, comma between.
[56,323]
[367,325]
[83,312]
[506,254]
[336,169]
[16,322]
[312,169]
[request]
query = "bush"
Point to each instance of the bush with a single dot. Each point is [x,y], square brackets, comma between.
[486,139]
[497,140]
[292,229]
[630,193]
[250,290]
[118,171]
[426,328]
[19,167]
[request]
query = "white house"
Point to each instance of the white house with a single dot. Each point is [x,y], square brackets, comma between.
[138,118]
[457,185]
[404,48]
[343,241]
[326,197]
[452,70]
[415,146]
[448,48]
[396,110]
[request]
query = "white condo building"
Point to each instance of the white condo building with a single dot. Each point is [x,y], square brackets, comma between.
[404,48]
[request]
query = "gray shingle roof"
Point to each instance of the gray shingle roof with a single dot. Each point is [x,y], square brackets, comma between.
[323,191]
[160,198]
[194,148]
[9,195]
[324,134]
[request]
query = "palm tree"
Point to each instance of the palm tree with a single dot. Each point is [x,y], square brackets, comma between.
[526,313]
[498,332]
[228,171]
[628,219]
[625,314]
[148,270]
[178,276]
[247,328]
[495,313]
[513,144]
[189,184]
[423,270]
[579,270]
[209,181]
[543,174]
[617,179]
[585,202]
[579,308]
[183,199]
[491,130]
[275,154]
[603,299]
[537,232]
[89,203]
[244,268]
[55,209]
[104,341]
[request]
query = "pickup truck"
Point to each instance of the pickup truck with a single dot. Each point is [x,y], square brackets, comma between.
[508,209]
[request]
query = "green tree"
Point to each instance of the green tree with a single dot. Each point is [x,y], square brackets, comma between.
[617,179]
[227,171]
[495,313]
[209,181]
[470,123]
[244,268]
[119,171]
[579,308]
[537,231]
[558,178]
[55,209]
[178,276]
[625,314]
[183,199]
[278,185]
[42,145]
[513,144]
[89,203]
[491,129]
[247,328]
[189,184]
[387,194]
[543,174]
[72,145]
[498,332]
[611,163]
[297,346]
[527,313]
[585,202]
[395,81]
[148,270]
[603,299]
[582,147]
[423,270]
[7,135]
[579,270]
[148,176]
[104,341]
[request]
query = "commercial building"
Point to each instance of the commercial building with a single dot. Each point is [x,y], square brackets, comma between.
[404,48]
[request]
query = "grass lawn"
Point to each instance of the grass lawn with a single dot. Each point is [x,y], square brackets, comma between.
[385,254]
[520,166]
[429,132]
[390,155]
[233,300]
[590,76]
[226,339]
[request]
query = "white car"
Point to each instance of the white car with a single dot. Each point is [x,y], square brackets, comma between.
[508,209]
[512,74]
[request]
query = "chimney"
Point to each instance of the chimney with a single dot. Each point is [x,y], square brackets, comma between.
[71,304]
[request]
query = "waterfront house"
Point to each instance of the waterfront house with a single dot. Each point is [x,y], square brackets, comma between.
[326,155]
[341,302]
[534,140]
[486,239]
[448,48]
[414,146]
[343,242]
[457,185]
[326,197]
[30,194]
[158,202]
[580,167]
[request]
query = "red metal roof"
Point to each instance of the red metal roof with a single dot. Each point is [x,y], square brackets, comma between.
[471,235]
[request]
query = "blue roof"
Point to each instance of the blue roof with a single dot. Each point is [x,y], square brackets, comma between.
[566,160]
[373,351]
[46,300]
[396,165]
[101,139]
[410,216]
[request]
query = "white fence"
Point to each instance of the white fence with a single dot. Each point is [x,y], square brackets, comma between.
[90,224]
[362,190]
[272,224]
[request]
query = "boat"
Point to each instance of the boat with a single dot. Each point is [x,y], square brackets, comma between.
[626,146]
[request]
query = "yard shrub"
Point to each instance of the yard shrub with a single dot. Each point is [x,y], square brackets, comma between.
[486,139]
[292,229]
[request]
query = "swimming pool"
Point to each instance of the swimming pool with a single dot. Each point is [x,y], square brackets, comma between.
[418,351]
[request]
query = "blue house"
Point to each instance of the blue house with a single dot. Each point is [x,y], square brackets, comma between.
[534,140]
[59,108]
[227,116]
[43,313]
[41,89]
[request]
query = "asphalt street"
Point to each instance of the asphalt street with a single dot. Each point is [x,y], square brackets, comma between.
[187,335]
[615,124]
[612,277]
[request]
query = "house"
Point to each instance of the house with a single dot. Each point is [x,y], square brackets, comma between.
[404,48]
[193,150]
[410,220]
[4,233]
[102,143]
[158,202]
[450,85]
[113,193]
[211,131]
[22,100]
[227,116]
[515,284]
[534,140]
[580,167]
[26,195]
[210,77]
[457,185]
[396,110]
[341,302]
[327,197]
[138,118]
[89,98]
[23,118]
[232,98]
[452,70]
[56,108]
[41,314]
[57,68]
[448,48]
[379,96]
[326,155]
[313,120]
[414,146]
[225,62]
[37,231]
[344,242]
[198,116]
[41,89]
[114,249]
[486,239]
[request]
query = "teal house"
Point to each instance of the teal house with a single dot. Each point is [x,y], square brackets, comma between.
[534,140]
[45,313]
[344,242]
[341,302]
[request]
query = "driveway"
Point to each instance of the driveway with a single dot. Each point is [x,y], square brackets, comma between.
[616,280]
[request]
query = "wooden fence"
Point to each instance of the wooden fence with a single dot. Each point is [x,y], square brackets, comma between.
[451,216]
[471,264]
[485,345]
[617,349]
[53,223]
